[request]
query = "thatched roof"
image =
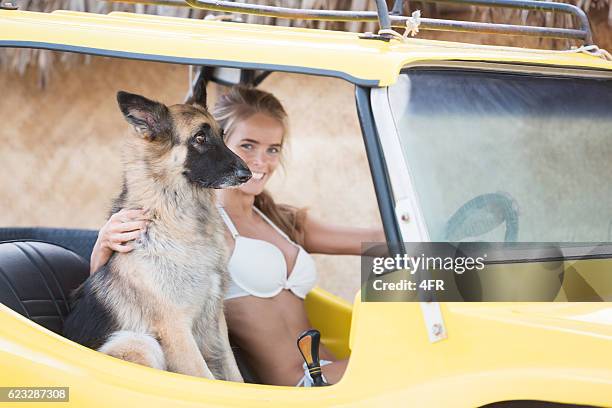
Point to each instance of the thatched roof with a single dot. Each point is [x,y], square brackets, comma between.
[20,59]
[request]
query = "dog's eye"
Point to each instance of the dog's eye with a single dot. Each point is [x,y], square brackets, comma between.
[200,139]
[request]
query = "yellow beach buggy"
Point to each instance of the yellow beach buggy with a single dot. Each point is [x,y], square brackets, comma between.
[464,142]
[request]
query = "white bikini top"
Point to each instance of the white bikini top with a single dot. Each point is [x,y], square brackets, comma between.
[259,268]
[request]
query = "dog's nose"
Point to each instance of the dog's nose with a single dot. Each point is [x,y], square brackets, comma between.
[243,175]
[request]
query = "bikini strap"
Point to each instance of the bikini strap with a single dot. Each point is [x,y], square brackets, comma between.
[228,222]
[280,231]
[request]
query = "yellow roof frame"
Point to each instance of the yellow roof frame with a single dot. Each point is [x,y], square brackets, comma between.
[199,42]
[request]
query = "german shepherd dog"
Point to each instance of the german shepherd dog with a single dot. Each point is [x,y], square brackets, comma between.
[161,305]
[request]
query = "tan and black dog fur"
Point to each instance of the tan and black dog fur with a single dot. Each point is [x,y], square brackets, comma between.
[161,304]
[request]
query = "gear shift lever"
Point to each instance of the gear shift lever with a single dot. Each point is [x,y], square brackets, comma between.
[308,344]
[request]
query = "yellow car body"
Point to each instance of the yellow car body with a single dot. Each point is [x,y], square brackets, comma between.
[492,352]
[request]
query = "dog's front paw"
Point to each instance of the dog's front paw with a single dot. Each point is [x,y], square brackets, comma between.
[232,373]
[236,378]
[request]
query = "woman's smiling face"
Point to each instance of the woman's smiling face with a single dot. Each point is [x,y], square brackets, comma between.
[258,141]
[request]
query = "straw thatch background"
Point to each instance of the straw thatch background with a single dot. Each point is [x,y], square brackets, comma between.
[61,132]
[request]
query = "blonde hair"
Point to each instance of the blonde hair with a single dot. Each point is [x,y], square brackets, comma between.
[239,104]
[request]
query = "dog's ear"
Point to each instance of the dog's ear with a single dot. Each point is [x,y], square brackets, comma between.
[198,96]
[149,119]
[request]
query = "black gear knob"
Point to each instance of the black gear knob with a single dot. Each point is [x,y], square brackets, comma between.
[308,344]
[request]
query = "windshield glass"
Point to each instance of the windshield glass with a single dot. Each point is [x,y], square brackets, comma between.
[508,157]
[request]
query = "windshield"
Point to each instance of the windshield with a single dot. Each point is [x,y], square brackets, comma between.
[508,157]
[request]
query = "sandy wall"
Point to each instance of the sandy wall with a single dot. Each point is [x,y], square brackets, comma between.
[60,149]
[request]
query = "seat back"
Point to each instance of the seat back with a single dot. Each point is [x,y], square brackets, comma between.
[79,241]
[36,279]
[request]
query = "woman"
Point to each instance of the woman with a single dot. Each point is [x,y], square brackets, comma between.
[271,267]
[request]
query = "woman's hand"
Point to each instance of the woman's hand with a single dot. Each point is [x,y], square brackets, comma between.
[118,234]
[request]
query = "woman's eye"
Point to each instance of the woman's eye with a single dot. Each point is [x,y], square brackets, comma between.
[246,146]
[274,150]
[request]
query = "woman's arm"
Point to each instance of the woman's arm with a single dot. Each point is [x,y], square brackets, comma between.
[321,238]
[120,230]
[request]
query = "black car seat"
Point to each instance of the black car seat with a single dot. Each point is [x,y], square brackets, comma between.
[79,241]
[36,279]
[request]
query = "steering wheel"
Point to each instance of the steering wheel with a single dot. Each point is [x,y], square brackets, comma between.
[481,215]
